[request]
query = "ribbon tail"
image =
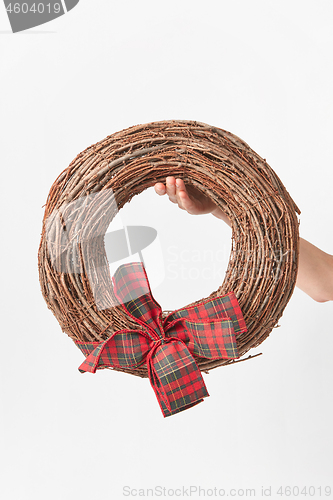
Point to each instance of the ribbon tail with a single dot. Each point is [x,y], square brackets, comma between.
[175,377]
[91,362]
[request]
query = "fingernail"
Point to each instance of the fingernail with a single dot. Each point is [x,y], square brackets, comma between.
[177,183]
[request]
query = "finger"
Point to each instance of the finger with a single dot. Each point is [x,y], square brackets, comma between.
[183,197]
[181,192]
[160,188]
[171,189]
[187,203]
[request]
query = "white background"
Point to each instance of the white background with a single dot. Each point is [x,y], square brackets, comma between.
[260,69]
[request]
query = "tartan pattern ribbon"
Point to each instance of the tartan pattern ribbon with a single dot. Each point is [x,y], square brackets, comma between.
[168,346]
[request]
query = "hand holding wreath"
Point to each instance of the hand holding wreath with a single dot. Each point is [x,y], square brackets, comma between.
[315,271]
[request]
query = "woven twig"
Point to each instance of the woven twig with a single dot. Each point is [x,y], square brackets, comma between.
[263,262]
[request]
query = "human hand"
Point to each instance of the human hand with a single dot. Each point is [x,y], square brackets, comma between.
[189,198]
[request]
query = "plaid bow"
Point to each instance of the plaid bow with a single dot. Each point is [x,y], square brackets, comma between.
[206,330]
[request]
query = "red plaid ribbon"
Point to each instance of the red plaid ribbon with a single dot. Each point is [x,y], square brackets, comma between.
[206,330]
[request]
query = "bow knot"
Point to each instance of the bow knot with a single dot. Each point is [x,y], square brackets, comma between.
[207,330]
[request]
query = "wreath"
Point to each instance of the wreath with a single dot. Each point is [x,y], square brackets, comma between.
[115,320]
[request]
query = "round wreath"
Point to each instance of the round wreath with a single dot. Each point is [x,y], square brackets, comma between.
[264,258]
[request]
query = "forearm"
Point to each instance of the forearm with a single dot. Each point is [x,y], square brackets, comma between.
[315,267]
[315,272]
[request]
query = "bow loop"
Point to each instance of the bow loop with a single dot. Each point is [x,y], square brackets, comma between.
[219,344]
[206,330]
[131,287]
[211,309]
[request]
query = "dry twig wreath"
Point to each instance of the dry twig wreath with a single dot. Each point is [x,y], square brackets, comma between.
[116,322]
